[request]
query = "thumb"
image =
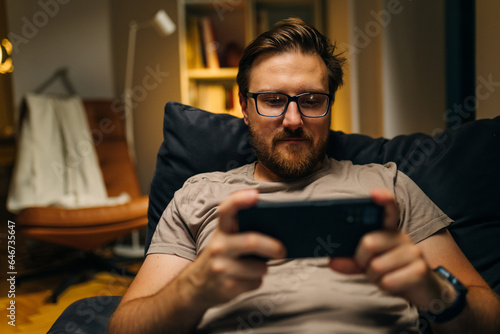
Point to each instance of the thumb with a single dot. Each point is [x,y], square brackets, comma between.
[386,198]
[229,207]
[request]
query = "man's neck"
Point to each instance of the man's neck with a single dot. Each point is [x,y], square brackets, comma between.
[264,174]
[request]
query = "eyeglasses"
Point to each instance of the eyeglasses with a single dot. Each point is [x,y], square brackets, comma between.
[272,104]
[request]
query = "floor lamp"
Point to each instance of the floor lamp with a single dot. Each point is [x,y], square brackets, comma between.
[165,27]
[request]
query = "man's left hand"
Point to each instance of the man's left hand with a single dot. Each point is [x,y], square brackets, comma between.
[390,259]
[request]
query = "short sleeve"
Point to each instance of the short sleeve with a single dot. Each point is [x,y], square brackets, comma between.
[419,216]
[172,235]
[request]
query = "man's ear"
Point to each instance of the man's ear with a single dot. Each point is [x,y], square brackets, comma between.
[244,106]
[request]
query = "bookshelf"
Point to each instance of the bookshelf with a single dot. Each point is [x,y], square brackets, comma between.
[213,34]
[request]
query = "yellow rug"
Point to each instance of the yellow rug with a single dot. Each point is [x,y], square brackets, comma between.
[34,315]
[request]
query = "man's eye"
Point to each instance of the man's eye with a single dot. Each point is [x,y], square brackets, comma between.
[310,103]
[274,100]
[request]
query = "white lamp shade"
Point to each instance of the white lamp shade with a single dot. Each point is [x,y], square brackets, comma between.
[163,24]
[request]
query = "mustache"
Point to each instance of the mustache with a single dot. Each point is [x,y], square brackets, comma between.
[287,133]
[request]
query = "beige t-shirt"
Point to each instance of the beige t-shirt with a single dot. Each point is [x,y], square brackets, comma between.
[301,295]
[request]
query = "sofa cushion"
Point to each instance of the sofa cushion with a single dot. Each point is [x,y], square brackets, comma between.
[195,141]
[458,169]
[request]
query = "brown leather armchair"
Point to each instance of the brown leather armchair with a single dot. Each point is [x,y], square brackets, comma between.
[88,229]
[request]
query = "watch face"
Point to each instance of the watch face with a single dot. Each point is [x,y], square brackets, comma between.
[450,278]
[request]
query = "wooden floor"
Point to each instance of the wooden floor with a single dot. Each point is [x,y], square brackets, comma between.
[34,312]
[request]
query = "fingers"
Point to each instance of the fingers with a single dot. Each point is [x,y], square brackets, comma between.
[392,261]
[256,244]
[386,198]
[377,254]
[375,243]
[241,268]
[228,209]
[251,243]
[345,265]
[224,270]
[405,279]
[237,245]
[218,278]
[372,245]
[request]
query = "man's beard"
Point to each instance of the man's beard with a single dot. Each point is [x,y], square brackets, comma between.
[288,162]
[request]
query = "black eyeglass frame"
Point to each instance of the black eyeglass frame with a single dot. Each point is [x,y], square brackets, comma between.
[291,99]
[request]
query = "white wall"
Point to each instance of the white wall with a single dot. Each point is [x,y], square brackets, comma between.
[413,67]
[365,59]
[398,65]
[62,33]
[396,57]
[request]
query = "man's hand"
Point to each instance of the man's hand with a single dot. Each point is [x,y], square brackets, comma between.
[223,270]
[391,260]
[171,294]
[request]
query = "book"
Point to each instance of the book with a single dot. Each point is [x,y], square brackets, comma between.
[212,97]
[210,46]
[194,54]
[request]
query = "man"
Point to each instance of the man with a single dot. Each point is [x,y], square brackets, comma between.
[198,276]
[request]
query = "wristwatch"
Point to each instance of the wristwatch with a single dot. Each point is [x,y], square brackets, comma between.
[454,310]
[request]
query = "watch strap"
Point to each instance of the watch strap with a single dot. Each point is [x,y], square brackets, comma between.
[458,306]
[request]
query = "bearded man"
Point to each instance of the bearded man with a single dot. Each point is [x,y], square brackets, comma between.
[203,276]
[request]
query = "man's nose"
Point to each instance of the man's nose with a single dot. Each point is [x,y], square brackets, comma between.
[293,117]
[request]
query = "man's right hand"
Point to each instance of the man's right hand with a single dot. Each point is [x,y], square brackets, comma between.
[223,270]
[170,294]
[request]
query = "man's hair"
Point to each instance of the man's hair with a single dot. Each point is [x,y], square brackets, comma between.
[292,34]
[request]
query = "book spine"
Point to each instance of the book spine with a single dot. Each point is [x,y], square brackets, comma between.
[210,45]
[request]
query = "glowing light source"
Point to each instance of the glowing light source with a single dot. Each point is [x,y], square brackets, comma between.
[5,59]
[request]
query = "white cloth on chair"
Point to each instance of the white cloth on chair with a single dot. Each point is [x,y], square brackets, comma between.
[56,161]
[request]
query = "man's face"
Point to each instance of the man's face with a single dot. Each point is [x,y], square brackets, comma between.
[291,145]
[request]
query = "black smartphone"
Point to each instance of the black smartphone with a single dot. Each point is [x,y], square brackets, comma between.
[320,228]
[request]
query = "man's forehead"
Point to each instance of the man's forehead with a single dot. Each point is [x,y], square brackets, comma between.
[267,68]
[277,56]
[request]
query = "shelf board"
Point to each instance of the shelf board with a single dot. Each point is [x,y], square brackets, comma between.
[213,73]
